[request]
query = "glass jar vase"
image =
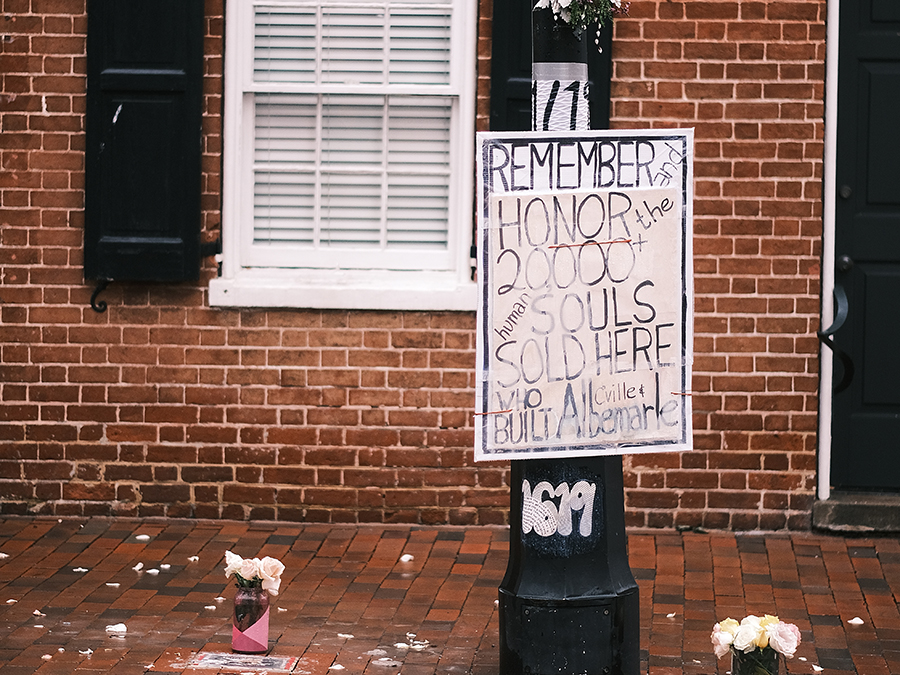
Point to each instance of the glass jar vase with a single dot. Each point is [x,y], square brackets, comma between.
[250,627]
[757,662]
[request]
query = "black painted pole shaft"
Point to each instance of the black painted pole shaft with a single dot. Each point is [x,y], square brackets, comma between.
[569,604]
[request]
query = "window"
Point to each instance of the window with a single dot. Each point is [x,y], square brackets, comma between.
[349,133]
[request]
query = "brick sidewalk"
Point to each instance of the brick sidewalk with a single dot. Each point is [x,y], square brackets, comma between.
[350,605]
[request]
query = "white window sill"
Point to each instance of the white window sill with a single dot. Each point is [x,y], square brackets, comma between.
[345,289]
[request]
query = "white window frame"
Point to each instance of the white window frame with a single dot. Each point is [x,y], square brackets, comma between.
[446,284]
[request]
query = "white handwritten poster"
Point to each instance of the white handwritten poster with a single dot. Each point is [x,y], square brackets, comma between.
[585,316]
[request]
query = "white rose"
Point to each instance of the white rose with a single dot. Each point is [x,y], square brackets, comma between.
[747,637]
[784,638]
[270,570]
[722,636]
[233,563]
[249,568]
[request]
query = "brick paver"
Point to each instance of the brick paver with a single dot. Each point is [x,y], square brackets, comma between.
[350,605]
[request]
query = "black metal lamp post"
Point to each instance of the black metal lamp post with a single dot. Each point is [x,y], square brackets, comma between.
[569,604]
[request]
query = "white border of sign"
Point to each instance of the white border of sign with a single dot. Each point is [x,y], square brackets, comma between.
[585,314]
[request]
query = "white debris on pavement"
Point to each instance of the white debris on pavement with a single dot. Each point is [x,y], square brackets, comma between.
[415,645]
[387,663]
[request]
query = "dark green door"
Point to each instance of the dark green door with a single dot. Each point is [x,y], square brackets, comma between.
[866,403]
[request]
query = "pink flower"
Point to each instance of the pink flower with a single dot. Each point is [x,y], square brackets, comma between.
[784,638]
[232,563]
[249,568]
[255,572]
[270,571]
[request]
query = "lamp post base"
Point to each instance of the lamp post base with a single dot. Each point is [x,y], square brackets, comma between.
[569,604]
[578,637]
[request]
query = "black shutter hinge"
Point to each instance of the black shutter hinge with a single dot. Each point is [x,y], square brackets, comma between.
[208,248]
[99,307]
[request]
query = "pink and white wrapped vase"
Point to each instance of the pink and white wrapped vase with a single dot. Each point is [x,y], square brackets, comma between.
[250,627]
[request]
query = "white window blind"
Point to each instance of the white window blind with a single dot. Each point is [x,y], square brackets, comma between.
[379,177]
[352,150]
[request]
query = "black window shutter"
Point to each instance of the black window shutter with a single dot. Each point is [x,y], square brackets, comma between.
[511,69]
[142,167]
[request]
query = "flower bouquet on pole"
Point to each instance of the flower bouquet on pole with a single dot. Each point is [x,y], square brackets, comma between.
[755,643]
[256,580]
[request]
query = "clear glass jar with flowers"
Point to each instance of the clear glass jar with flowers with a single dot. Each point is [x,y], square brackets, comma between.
[755,643]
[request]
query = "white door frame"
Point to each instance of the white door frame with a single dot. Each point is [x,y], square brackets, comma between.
[826,375]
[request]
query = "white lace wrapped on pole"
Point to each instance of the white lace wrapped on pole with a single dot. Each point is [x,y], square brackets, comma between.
[560,93]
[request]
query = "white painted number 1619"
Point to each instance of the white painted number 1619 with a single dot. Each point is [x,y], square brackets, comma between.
[545,518]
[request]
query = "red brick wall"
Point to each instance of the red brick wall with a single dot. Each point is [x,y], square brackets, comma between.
[163,406]
[749,77]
